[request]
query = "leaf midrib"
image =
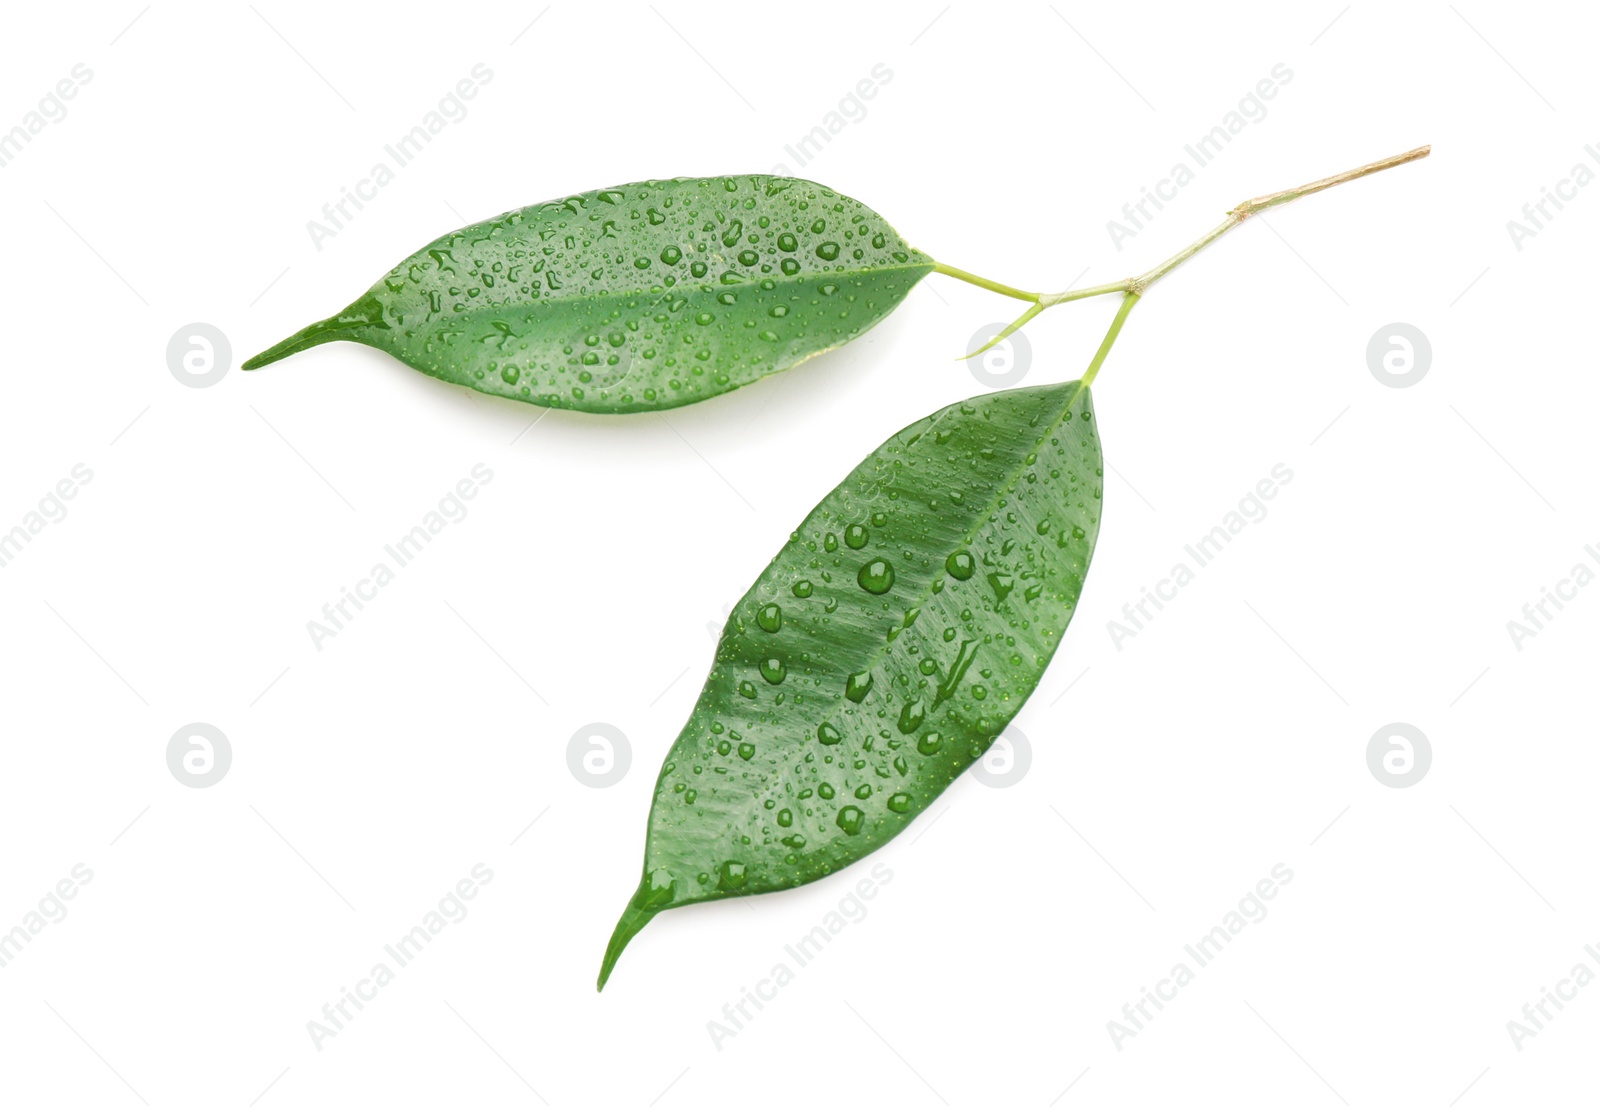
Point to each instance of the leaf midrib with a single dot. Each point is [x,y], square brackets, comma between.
[513,307]
[926,593]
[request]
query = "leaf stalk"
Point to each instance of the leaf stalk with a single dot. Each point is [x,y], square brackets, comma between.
[1133,288]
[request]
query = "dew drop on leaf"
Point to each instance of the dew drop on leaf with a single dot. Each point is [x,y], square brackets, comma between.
[911,716]
[857,686]
[876,577]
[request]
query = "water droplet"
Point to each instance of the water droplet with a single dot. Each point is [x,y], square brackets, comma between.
[746,750]
[876,577]
[960,565]
[857,686]
[786,817]
[850,819]
[802,589]
[899,803]
[828,251]
[787,242]
[929,745]
[660,887]
[773,670]
[730,877]
[747,689]
[856,536]
[671,255]
[828,735]
[770,618]
[911,715]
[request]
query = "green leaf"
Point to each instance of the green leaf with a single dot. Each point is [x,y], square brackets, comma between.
[883,650]
[642,297]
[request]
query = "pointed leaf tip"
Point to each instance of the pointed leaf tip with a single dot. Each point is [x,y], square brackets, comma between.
[632,922]
[356,322]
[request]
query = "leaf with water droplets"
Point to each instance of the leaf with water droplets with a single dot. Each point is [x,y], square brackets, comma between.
[855,682]
[643,297]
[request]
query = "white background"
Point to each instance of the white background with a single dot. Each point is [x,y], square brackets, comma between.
[1230,735]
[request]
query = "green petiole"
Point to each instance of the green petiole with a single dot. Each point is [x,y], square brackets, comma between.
[1111,337]
[1133,288]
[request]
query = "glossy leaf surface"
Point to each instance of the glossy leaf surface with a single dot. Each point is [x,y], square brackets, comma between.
[884,649]
[642,297]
